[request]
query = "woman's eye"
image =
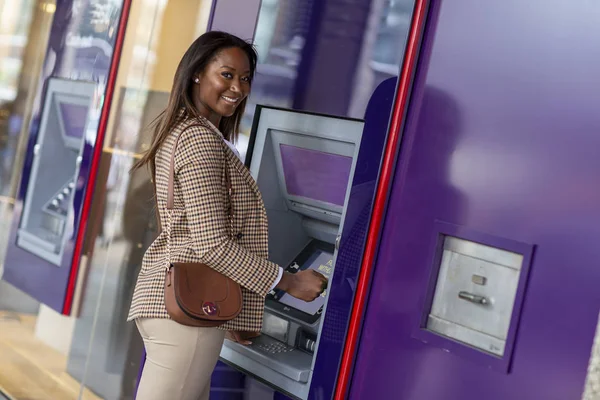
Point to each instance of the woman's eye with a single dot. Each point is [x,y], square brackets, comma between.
[246,79]
[227,75]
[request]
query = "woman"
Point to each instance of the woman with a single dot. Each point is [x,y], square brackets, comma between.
[210,89]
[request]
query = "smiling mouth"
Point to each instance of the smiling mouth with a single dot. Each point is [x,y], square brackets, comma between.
[230,100]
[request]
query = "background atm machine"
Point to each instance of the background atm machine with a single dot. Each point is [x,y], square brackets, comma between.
[44,223]
[46,215]
[303,165]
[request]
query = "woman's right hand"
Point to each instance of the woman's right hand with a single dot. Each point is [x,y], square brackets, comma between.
[304,285]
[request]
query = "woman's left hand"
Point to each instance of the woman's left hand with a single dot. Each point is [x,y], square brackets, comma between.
[240,337]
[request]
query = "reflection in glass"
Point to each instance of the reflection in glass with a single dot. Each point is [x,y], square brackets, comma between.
[289,32]
[107,351]
[281,32]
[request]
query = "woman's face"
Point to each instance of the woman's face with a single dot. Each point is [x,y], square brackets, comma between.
[222,86]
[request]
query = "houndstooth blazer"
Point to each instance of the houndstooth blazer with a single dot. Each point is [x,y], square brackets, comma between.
[201,229]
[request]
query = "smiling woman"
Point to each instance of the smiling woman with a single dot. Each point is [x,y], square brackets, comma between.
[216,65]
[214,217]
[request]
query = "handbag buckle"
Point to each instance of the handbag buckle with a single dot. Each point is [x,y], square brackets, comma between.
[209,308]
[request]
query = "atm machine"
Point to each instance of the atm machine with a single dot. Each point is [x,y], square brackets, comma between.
[54,180]
[58,155]
[303,164]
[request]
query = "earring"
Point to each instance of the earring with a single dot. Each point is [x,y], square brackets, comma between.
[197,80]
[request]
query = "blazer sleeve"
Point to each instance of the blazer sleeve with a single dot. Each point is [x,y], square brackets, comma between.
[199,162]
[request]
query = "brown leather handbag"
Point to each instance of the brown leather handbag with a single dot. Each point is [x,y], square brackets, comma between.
[196,294]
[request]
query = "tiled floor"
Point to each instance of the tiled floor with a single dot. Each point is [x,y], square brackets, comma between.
[29,369]
[11,299]
[49,369]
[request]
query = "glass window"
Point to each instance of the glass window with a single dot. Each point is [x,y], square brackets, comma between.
[313,56]
[29,367]
[107,350]
[326,57]
[24,27]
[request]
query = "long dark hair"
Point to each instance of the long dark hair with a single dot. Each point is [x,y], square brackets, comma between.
[194,61]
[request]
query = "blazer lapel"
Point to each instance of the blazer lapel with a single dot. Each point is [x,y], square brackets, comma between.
[242,170]
[233,159]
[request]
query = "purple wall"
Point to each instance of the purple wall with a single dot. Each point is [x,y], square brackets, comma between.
[501,138]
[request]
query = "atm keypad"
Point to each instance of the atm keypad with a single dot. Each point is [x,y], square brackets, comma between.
[58,203]
[274,347]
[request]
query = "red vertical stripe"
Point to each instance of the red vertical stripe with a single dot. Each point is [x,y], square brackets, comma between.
[405,82]
[87,202]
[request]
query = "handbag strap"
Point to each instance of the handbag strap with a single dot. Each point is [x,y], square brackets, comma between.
[171,192]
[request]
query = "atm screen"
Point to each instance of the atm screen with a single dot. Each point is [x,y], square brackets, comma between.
[74,117]
[315,174]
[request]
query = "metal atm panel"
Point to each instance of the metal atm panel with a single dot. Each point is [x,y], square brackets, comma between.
[475,294]
[474,298]
[303,164]
[48,207]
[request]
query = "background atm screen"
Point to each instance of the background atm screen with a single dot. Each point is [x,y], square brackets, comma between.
[74,117]
[321,262]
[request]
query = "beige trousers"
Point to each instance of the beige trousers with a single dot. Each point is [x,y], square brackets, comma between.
[179,360]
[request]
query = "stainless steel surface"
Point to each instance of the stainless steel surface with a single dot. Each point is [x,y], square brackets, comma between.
[294,221]
[275,327]
[238,359]
[592,383]
[468,336]
[483,252]
[279,358]
[475,294]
